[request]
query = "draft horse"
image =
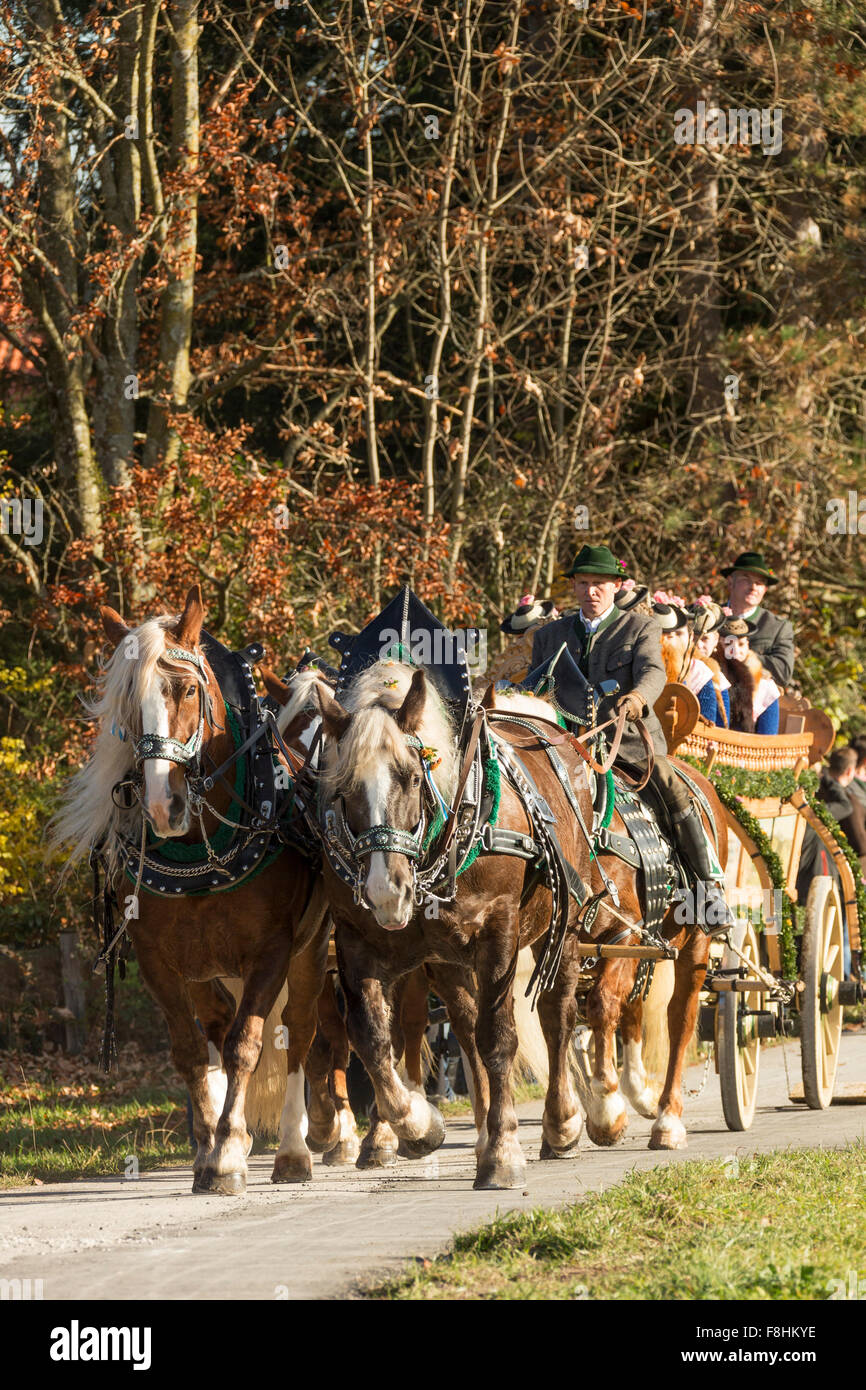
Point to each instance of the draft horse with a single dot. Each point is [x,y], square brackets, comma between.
[373,773]
[162,716]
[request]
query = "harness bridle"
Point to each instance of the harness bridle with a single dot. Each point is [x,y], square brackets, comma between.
[347,851]
[151,746]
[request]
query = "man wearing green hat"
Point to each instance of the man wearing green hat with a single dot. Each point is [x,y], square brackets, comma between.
[772,640]
[611,645]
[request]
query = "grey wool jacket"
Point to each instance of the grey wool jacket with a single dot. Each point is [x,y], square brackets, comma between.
[773,642]
[628,651]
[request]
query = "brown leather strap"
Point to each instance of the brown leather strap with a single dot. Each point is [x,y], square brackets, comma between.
[451,825]
[650,758]
[577,741]
[617,740]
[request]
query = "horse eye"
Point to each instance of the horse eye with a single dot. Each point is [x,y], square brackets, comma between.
[191,691]
[416,779]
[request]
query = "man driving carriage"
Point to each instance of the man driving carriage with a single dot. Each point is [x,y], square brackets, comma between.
[612,646]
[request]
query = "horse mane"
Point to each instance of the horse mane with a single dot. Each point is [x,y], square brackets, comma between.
[302,687]
[373,731]
[87,814]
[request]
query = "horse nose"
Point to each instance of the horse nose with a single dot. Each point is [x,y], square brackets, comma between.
[176,811]
[389,889]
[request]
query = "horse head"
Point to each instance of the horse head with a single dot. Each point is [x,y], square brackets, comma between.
[167,693]
[378,764]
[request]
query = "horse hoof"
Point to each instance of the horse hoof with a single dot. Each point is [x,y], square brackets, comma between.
[606,1138]
[499,1177]
[314,1146]
[645,1104]
[345,1152]
[567,1151]
[376,1158]
[292,1168]
[318,1145]
[429,1142]
[209,1183]
[668,1134]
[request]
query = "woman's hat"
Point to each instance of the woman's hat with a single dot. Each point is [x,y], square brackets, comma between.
[626,599]
[597,559]
[705,617]
[528,612]
[670,615]
[755,563]
[737,627]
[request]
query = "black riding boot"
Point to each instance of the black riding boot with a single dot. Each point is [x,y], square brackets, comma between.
[712,913]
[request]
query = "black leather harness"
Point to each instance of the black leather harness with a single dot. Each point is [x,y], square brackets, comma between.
[259,812]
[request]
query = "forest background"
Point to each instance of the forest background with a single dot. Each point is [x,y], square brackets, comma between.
[300,300]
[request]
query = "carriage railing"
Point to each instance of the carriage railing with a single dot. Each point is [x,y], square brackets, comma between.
[771,753]
[753,752]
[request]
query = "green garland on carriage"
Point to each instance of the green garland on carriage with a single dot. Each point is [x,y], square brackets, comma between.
[734,783]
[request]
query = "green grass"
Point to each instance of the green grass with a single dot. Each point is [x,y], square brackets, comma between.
[777,1226]
[58,1123]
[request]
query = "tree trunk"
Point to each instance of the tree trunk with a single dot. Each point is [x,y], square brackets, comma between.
[699,316]
[173,379]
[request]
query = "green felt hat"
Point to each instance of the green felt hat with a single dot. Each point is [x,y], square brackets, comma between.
[755,563]
[597,559]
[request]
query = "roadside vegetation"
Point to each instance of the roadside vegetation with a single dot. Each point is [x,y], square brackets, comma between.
[785,1225]
[57,1123]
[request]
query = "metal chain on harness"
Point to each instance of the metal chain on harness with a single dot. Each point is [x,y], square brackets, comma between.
[687,1091]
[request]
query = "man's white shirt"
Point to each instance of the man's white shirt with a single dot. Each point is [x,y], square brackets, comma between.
[592,623]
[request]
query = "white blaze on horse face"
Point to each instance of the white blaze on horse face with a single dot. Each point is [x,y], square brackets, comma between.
[157,791]
[387,898]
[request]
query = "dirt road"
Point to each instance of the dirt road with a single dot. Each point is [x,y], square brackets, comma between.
[151,1239]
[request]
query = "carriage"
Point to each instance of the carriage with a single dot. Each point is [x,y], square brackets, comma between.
[762,981]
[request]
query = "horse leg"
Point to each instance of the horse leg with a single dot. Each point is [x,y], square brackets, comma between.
[214,1008]
[669,1132]
[500,1162]
[562,1121]
[293,1162]
[380,1145]
[634,1082]
[225,1171]
[188,1049]
[413,1025]
[606,1117]
[418,1126]
[411,1007]
[321,1111]
[333,1028]
[456,988]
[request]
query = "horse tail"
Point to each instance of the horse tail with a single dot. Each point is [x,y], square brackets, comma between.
[531,1062]
[266,1092]
[655,1036]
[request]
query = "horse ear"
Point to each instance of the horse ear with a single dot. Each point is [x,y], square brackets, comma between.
[187,629]
[411,712]
[115,627]
[335,719]
[489,698]
[275,687]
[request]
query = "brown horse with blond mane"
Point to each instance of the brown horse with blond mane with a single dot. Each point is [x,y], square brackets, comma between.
[158,698]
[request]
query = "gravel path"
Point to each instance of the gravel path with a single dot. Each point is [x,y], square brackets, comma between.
[151,1239]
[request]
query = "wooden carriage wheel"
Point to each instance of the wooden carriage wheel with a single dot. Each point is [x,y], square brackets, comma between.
[820,1010]
[737,1042]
